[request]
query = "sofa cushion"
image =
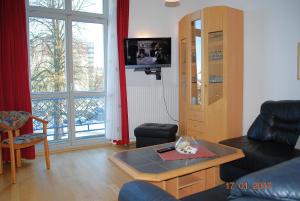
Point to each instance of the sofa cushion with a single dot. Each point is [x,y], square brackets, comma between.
[278,121]
[284,109]
[143,191]
[284,124]
[280,182]
[256,129]
[260,154]
[219,193]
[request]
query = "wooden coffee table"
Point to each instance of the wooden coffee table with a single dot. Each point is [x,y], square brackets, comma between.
[181,177]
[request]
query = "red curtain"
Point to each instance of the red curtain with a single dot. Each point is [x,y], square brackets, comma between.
[122,28]
[14,77]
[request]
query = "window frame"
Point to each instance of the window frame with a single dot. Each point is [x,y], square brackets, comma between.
[69,95]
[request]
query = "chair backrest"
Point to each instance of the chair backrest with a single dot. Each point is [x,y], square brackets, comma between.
[14,119]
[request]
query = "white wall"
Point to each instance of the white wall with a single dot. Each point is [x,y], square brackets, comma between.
[271,34]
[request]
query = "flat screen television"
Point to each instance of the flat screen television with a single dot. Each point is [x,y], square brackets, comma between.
[147,52]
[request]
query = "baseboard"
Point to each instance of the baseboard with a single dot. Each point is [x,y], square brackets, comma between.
[80,147]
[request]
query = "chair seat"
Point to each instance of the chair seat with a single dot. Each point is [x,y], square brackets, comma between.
[27,138]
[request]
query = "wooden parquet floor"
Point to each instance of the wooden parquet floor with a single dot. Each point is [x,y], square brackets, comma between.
[85,175]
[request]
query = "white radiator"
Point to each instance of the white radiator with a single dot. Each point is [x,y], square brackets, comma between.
[146,105]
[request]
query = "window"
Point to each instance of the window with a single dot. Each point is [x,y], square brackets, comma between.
[67,66]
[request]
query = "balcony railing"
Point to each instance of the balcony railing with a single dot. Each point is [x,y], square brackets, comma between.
[89,117]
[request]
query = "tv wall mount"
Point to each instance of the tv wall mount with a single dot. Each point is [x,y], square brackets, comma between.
[151,71]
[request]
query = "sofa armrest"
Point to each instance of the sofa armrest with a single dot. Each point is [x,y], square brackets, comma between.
[143,191]
[280,182]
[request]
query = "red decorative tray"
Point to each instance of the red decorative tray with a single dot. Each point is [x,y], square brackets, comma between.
[202,152]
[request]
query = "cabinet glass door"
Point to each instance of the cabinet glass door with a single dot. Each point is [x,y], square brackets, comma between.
[196,67]
[215,66]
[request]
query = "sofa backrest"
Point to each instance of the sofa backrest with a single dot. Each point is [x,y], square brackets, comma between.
[278,121]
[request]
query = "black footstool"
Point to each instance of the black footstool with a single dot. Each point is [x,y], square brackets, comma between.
[151,134]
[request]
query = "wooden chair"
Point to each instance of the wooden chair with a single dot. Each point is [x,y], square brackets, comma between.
[11,122]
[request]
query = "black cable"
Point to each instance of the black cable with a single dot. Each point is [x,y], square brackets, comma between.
[165,102]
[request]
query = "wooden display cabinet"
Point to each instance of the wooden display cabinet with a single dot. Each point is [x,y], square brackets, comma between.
[211,73]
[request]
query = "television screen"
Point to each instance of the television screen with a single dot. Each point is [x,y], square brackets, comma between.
[147,52]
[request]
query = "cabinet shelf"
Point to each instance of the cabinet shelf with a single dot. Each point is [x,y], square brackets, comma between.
[215,79]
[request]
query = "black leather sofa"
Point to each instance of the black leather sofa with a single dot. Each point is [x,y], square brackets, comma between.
[280,182]
[270,140]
